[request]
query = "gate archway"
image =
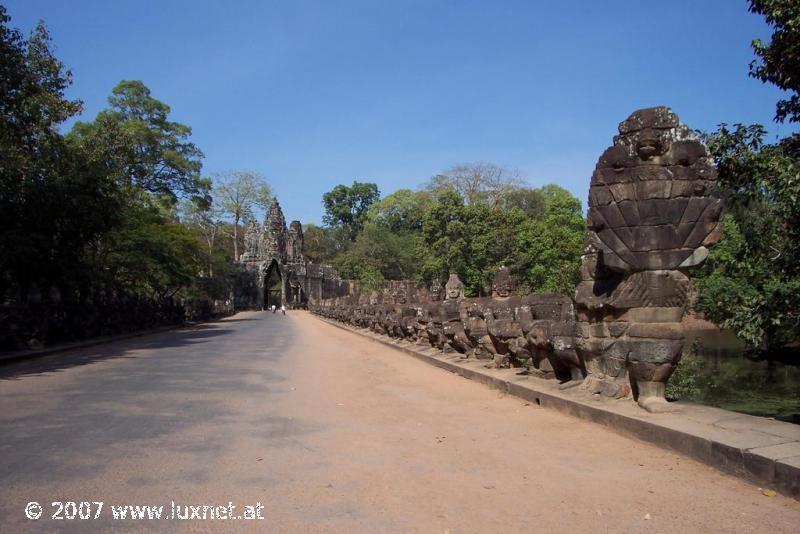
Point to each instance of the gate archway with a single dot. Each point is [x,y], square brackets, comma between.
[273,286]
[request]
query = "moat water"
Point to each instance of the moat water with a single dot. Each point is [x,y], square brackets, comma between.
[727,378]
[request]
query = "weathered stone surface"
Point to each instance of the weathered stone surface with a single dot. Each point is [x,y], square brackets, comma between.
[656,330]
[639,172]
[273,250]
[653,208]
[787,475]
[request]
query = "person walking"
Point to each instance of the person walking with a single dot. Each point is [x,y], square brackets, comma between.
[273,308]
[283,309]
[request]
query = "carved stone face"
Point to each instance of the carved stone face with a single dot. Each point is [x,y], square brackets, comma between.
[652,203]
[436,291]
[400,296]
[454,289]
[502,284]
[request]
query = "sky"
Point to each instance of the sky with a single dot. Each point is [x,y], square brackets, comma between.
[312,94]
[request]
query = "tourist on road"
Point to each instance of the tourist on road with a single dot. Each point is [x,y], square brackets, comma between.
[273,308]
[283,309]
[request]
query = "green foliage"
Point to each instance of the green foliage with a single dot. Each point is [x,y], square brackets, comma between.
[377,253]
[52,200]
[473,240]
[402,211]
[142,147]
[548,249]
[751,281]
[426,235]
[688,381]
[236,194]
[151,252]
[529,200]
[88,223]
[778,61]
[319,244]
[347,207]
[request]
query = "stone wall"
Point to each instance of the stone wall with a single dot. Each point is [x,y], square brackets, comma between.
[34,325]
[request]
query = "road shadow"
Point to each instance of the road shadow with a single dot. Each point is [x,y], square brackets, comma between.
[112,350]
[182,392]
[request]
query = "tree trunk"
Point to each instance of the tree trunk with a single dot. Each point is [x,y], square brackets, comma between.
[236,238]
[210,241]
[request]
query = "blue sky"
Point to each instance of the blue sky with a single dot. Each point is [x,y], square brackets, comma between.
[313,94]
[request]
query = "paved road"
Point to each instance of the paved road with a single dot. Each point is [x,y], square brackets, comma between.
[331,432]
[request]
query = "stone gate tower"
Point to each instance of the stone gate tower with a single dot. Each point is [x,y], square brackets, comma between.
[273,251]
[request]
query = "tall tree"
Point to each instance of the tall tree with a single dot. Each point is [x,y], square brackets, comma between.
[470,240]
[236,193]
[478,182]
[377,254]
[142,147]
[206,221]
[346,207]
[52,202]
[778,61]
[549,248]
[751,282]
[319,244]
[402,211]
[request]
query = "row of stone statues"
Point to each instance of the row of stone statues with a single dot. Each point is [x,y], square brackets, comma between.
[653,213]
[532,332]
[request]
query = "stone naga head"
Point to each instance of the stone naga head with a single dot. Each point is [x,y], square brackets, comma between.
[454,288]
[502,284]
[652,204]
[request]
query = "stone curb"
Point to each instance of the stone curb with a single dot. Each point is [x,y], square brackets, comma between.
[7,358]
[763,451]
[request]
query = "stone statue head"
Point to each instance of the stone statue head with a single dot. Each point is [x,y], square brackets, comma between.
[652,201]
[400,294]
[436,291]
[502,284]
[454,288]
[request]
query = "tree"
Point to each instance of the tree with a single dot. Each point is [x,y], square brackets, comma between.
[151,253]
[470,240]
[478,182]
[778,61]
[402,211]
[549,248]
[52,200]
[206,220]
[346,207]
[377,254]
[142,147]
[529,200]
[236,194]
[319,245]
[751,281]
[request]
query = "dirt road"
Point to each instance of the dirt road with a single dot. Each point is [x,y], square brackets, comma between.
[333,433]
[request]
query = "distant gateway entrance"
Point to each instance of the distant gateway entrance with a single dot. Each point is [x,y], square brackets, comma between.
[273,284]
